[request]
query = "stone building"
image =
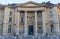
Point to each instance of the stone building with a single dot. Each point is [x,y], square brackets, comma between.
[29,18]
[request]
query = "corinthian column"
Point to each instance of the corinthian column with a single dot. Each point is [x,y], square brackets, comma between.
[35,23]
[17,25]
[25,33]
[44,22]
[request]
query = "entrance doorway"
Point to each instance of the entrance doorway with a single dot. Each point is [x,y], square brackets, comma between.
[52,28]
[30,30]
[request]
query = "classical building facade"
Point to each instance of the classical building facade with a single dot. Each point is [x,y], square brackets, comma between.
[29,18]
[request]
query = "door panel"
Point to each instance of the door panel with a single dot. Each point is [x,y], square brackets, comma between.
[30,30]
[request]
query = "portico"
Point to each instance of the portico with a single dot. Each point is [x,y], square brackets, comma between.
[34,19]
[31,22]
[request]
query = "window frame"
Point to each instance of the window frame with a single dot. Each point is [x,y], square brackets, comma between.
[9,28]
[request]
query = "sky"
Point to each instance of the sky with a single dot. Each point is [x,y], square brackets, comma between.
[22,1]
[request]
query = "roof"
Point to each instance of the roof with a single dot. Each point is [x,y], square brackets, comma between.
[48,4]
[31,4]
[13,4]
[58,4]
[2,6]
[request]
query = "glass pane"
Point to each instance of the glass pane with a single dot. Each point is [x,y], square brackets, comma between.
[40,29]
[51,14]
[10,19]
[10,12]
[22,29]
[9,28]
[52,28]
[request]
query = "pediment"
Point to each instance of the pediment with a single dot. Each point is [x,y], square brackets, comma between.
[30,4]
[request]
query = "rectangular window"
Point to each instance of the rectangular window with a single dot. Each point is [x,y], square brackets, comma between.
[39,17]
[51,14]
[9,28]
[10,19]
[21,19]
[10,13]
[40,30]
[21,30]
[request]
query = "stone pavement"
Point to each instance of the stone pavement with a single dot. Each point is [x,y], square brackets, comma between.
[31,37]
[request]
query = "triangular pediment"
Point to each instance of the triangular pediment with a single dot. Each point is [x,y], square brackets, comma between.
[30,3]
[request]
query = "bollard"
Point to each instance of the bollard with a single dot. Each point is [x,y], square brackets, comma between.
[3,38]
[39,37]
[57,37]
[14,37]
[33,37]
[21,37]
[51,37]
[48,35]
[0,36]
